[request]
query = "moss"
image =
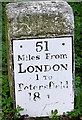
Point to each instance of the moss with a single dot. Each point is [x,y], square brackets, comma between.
[40,24]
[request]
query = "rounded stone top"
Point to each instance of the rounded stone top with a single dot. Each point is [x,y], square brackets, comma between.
[40,17]
[38,7]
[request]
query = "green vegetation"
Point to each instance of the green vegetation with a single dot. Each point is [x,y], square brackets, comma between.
[54,114]
[78,55]
[7,103]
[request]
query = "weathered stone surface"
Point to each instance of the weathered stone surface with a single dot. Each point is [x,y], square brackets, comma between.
[39,19]
[36,19]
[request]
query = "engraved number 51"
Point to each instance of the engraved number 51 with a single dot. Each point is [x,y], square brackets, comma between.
[42,45]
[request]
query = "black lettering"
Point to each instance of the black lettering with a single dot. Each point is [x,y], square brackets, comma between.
[26,87]
[61,84]
[38,68]
[47,55]
[29,96]
[34,87]
[51,84]
[66,84]
[46,45]
[21,57]
[20,86]
[56,67]
[48,96]
[64,66]
[36,95]
[33,57]
[63,56]
[30,87]
[46,87]
[57,56]
[47,68]
[20,69]
[40,87]
[30,69]
[37,77]
[45,77]
[37,57]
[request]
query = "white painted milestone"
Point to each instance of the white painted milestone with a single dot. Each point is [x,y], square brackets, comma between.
[43,75]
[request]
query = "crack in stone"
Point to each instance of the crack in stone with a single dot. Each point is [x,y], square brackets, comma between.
[46,106]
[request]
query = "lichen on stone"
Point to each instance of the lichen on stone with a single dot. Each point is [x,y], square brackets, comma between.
[34,18]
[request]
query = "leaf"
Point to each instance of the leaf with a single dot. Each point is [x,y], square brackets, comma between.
[55,112]
[52,112]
